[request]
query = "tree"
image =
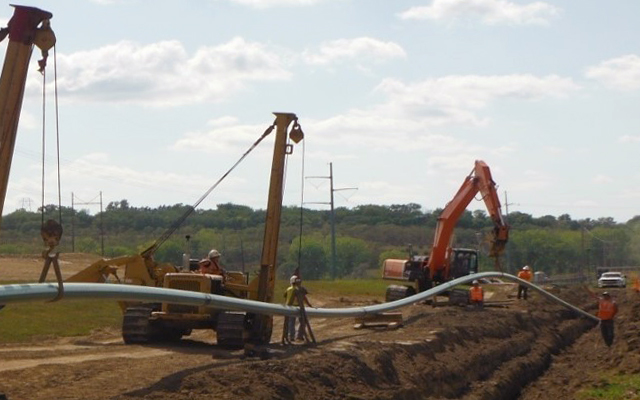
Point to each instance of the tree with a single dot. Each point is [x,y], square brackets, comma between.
[308,254]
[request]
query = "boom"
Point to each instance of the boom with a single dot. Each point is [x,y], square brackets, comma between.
[23,33]
[479,180]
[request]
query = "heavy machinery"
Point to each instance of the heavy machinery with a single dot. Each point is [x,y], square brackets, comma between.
[148,322]
[27,27]
[445,263]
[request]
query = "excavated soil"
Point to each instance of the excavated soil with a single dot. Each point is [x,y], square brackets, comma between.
[529,350]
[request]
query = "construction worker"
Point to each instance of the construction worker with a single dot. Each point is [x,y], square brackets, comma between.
[211,264]
[476,295]
[607,310]
[291,295]
[636,283]
[526,275]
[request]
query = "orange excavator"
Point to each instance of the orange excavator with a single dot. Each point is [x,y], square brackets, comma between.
[445,263]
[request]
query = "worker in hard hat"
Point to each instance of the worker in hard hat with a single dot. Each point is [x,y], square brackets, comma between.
[607,310]
[211,265]
[525,274]
[476,295]
[294,292]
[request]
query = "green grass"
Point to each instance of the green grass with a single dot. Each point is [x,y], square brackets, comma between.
[615,387]
[23,322]
[347,287]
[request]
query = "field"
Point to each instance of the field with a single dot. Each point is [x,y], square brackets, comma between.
[529,350]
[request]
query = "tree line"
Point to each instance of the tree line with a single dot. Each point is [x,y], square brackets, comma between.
[365,235]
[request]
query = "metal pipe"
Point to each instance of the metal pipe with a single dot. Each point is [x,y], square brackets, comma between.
[46,292]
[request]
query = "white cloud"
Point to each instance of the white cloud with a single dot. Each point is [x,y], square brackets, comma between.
[225,135]
[622,73]
[629,139]
[601,178]
[351,49]
[453,99]
[163,73]
[490,12]
[276,3]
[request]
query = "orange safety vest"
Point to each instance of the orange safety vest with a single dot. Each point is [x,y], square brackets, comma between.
[476,293]
[607,309]
[525,275]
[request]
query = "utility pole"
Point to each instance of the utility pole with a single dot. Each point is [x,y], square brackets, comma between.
[506,216]
[332,216]
[73,219]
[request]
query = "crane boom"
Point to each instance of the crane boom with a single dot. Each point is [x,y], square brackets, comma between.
[23,32]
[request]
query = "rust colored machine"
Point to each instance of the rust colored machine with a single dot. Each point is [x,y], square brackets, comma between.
[443,262]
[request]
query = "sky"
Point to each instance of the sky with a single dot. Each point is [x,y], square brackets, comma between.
[157,100]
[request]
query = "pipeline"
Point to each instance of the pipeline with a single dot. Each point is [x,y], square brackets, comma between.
[46,292]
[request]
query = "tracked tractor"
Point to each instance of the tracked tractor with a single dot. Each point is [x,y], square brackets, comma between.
[150,322]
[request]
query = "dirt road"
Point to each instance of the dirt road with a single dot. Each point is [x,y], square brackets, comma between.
[530,350]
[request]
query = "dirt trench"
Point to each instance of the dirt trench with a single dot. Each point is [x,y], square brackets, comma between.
[453,353]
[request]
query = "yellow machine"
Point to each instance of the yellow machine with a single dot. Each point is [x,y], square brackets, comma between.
[148,322]
[29,26]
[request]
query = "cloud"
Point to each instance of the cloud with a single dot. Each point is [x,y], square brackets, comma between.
[164,74]
[261,4]
[629,139]
[354,49]
[412,117]
[622,73]
[454,99]
[489,12]
[601,178]
[224,135]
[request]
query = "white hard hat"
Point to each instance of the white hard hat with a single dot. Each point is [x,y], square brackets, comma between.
[214,253]
[526,268]
[293,279]
[475,282]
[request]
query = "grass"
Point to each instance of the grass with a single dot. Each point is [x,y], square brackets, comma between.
[615,387]
[347,287]
[24,322]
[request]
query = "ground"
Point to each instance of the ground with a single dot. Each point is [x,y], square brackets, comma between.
[516,350]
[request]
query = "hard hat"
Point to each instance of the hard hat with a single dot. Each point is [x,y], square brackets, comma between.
[475,282]
[605,294]
[526,268]
[214,253]
[293,279]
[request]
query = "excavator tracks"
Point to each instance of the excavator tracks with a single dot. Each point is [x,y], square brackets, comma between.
[136,325]
[230,330]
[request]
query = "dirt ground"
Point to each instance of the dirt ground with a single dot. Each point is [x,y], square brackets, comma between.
[527,350]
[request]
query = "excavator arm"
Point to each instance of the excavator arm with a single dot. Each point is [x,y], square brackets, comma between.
[479,181]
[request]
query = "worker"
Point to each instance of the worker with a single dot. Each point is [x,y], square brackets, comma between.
[292,294]
[636,283]
[211,264]
[526,275]
[476,295]
[607,310]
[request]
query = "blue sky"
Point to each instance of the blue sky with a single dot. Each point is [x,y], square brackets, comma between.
[158,99]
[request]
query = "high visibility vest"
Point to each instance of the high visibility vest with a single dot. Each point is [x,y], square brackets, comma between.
[290,296]
[476,293]
[525,275]
[607,309]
